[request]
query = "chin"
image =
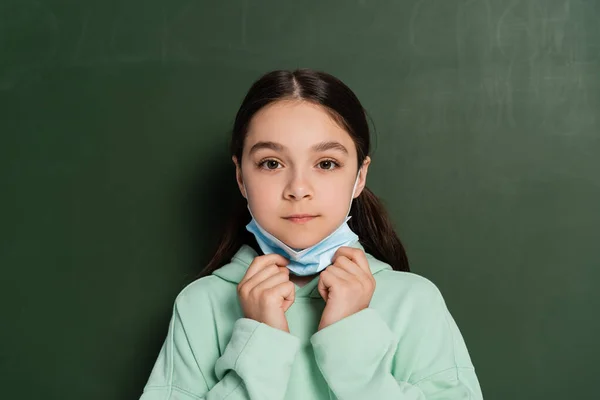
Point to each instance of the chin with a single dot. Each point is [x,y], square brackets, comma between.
[300,237]
[302,242]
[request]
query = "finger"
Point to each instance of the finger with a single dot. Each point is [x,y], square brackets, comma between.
[326,281]
[272,281]
[355,255]
[263,261]
[284,290]
[342,273]
[323,290]
[264,274]
[350,267]
[288,292]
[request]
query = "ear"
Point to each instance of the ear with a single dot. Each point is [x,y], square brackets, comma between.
[362,178]
[238,176]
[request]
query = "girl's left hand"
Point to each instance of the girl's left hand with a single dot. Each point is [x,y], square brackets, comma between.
[347,285]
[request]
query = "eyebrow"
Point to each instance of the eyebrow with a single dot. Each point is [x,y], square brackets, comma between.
[266,145]
[320,147]
[324,146]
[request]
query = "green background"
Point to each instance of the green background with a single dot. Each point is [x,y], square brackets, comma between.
[114,121]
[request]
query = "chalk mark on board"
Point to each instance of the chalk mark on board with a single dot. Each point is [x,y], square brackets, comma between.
[413,17]
[500,23]
[509,94]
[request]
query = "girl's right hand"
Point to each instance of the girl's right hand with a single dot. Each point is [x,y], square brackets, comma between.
[266,291]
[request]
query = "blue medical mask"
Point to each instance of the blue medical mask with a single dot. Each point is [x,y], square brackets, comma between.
[313,259]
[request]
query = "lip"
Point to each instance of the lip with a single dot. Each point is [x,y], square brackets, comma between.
[300,218]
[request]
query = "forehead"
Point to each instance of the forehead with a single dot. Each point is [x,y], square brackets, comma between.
[297,125]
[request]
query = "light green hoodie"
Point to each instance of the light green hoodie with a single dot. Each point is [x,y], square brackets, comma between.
[405,346]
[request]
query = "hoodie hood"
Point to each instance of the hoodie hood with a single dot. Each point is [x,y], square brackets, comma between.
[236,269]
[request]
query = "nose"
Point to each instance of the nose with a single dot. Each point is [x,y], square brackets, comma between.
[297,188]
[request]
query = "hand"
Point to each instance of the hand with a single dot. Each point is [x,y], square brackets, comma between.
[266,292]
[347,285]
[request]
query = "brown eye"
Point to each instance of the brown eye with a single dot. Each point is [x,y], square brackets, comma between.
[328,164]
[269,164]
[272,164]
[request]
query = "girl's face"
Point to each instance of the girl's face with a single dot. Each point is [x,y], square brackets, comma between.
[299,168]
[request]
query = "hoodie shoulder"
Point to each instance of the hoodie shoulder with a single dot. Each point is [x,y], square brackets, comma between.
[222,282]
[234,271]
[200,289]
[402,287]
[207,298]
[408,279]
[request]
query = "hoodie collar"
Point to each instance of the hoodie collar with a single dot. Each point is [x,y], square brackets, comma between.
[236,269]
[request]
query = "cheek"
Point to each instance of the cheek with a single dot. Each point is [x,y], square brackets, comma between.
[335,196]
[264,195]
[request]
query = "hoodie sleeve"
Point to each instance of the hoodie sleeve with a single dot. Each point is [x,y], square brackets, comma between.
[361,358]
[255,364]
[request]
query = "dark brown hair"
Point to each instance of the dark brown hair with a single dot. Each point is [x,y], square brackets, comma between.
[369,220]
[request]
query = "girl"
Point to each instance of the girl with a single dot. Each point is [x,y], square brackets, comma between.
[308,295]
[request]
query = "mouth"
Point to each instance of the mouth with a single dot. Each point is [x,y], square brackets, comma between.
[300,218]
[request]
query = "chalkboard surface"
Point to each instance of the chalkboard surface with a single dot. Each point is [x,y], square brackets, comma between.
[115,174]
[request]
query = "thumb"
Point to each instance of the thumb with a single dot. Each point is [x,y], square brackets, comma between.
[289,296]
[322,288]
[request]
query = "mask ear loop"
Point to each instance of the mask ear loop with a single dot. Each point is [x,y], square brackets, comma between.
[352,197]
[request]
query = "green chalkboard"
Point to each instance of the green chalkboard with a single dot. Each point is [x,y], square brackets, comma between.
[114,121]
